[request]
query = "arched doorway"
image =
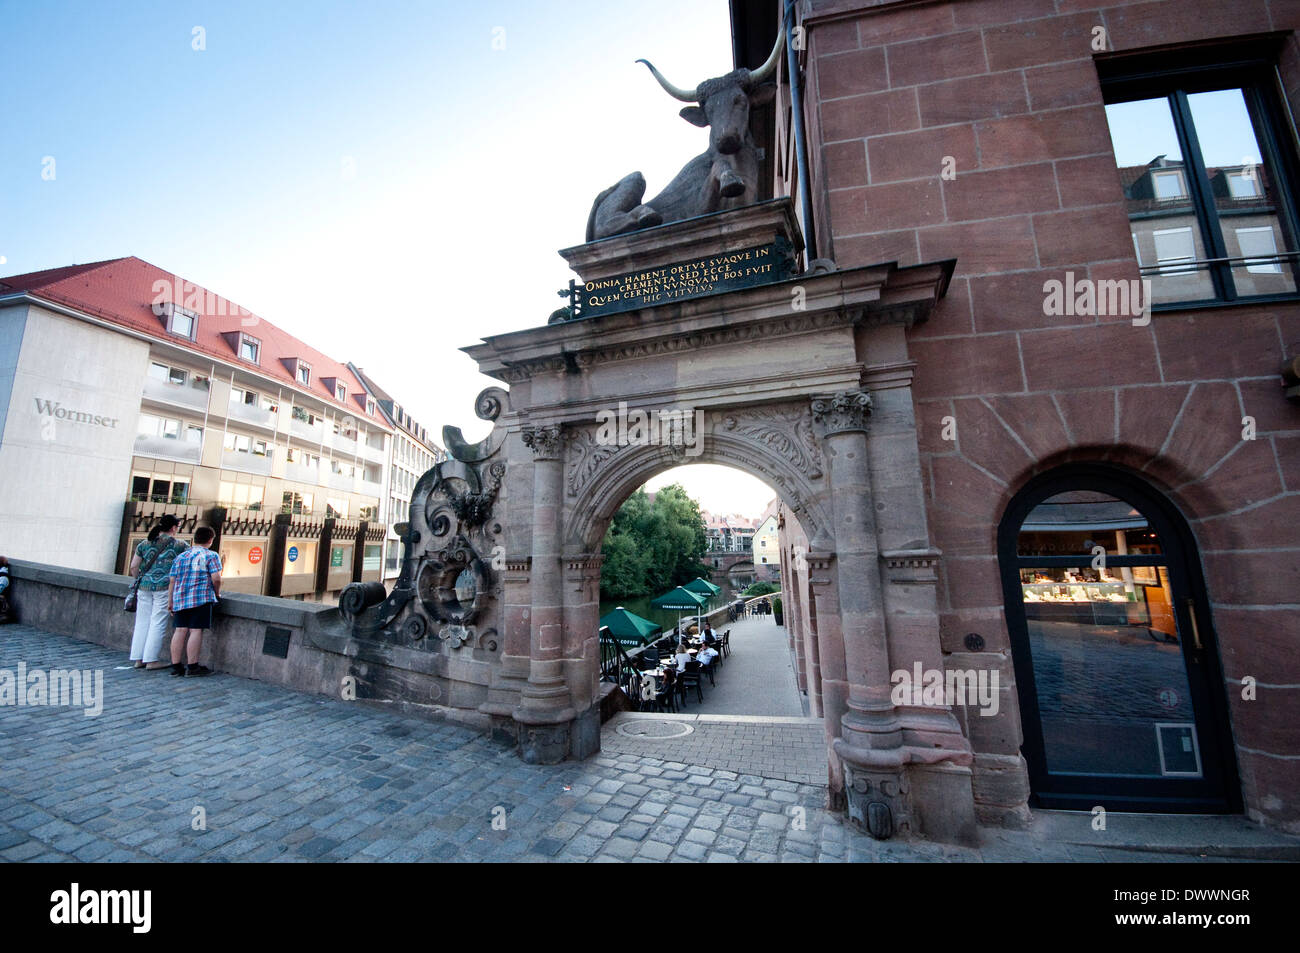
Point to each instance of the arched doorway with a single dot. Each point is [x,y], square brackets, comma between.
[1121,691]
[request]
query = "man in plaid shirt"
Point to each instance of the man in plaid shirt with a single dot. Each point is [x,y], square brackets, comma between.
[192,588]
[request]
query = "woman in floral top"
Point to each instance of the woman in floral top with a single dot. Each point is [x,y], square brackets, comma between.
[152,613]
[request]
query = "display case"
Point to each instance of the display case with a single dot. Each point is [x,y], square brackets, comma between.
[1098,603]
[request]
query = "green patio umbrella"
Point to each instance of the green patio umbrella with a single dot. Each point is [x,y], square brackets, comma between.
[629,628]
[679,600]
[703,587]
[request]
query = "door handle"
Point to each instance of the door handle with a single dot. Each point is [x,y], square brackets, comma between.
[1196,632]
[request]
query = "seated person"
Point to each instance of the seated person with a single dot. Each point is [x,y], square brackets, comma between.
[709,635]
[707,655]
[683,657]
[6,613]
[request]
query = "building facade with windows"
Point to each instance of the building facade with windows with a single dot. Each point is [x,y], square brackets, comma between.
[766,546]
[233,420]
[413,453]
[1109,457]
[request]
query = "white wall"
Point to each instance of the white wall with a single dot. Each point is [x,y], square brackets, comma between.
[65,481]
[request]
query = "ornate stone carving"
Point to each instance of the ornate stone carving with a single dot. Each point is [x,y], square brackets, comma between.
[545,442]
[473,509]
[586,455]
[877,801]
[786,432]
[847,410]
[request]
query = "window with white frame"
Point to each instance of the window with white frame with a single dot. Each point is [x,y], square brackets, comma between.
[1259,247]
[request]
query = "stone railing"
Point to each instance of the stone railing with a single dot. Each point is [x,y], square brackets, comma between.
[298,645]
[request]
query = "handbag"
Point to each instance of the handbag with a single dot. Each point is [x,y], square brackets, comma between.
[132,596]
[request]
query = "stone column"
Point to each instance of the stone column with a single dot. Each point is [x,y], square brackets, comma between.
[545,712]
[581,648]
[812,650]
[869,730]
[831,682]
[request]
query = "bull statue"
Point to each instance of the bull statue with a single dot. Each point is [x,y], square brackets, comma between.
[724,176]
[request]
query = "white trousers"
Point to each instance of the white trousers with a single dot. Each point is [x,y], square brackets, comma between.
[151,621]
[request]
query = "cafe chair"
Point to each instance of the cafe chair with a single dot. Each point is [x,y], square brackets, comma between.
[691,679]
[708,669]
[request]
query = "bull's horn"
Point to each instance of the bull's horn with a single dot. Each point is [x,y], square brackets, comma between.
[766,71]
[685,95]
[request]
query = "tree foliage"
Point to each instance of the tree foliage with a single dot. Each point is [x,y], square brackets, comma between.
[652,547]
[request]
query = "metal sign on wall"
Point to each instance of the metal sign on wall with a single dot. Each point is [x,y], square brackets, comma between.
[695,278]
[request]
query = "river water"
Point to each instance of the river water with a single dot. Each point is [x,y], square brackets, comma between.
[641,604]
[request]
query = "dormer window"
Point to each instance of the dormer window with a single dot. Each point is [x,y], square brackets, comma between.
[250,348]
[1168,185]
[370,407]
[182,322]
[304,374]
[340,392]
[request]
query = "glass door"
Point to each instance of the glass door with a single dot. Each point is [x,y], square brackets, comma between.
[1120,698]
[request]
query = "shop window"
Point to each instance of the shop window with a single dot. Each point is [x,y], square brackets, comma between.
[1120,685]
[1208,173]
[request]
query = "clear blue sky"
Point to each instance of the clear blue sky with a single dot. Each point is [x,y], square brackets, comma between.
[388,180]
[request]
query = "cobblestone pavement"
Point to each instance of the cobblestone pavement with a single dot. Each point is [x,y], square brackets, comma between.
[790,749]
[278,776]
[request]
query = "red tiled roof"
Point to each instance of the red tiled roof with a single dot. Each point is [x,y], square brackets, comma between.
[123,291]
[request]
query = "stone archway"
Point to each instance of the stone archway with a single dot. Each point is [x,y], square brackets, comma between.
[803,382]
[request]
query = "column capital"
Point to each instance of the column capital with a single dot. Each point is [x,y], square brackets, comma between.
[848,410]
[545,441]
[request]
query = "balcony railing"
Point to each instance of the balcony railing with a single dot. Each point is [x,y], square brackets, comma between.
[344,446]
[301,474]
[340,482]
[246,462]
[177,395]
[168,447]
[373,454]
[309,432]
[248,414]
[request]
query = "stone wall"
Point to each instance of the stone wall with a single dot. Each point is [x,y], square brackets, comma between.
[248,636]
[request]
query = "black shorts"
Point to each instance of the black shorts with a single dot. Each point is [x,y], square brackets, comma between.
[198,617]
